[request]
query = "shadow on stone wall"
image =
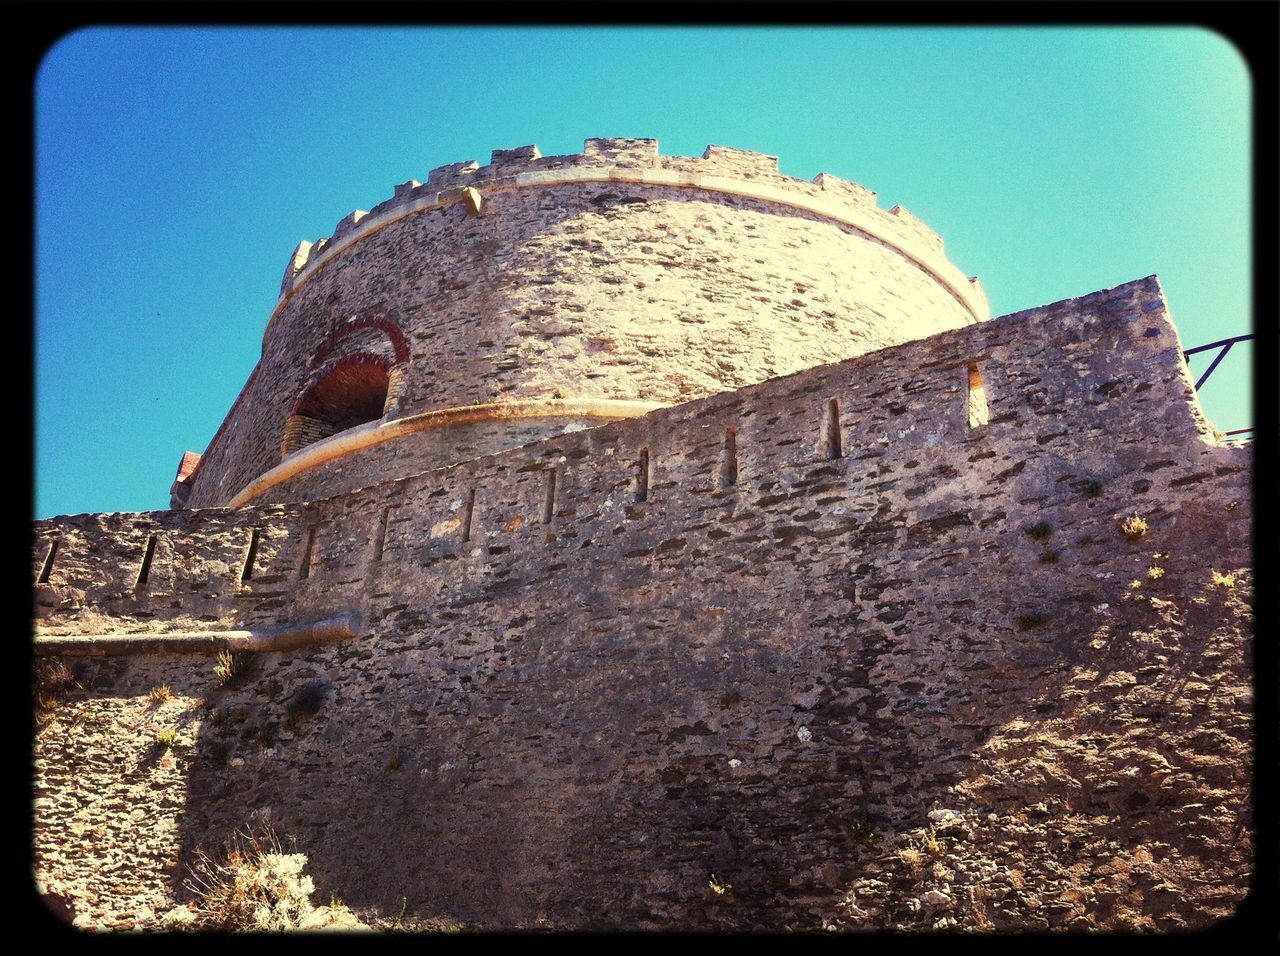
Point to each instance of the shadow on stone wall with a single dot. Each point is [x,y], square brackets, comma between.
[593,709]
[591,751]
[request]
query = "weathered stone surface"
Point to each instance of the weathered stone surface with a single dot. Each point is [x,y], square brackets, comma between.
[911,686]
[617,289]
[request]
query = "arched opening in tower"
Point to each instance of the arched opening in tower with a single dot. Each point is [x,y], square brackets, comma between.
[349,393]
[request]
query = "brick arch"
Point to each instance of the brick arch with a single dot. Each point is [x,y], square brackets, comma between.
[342,394]
[399,344]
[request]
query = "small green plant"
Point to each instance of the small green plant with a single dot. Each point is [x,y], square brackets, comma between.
[1155,573]
[913,857]
[1227,580]
[1091,488]
[51,680]
[254,885]
[227,668]
[1040,531]
[1026,620]
[718,887]
[166,737]
[1135,584]
[933,844]
[1133,527]
[46,715]
[160,694]
[399,921]
[860,830]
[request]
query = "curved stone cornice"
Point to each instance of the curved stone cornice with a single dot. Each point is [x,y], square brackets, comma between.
[375,433]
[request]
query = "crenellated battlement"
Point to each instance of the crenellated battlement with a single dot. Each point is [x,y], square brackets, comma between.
[720,169]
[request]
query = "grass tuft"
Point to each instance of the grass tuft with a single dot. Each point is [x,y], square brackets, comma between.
[253,885]
[933,844]
[718,887]
[860,830]
[913,857]
[226,669]
[1133,527]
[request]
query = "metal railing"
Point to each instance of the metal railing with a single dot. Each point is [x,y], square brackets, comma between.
[1223,346]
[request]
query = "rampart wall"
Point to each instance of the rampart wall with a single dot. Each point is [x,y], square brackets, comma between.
[614,275]
[776,655]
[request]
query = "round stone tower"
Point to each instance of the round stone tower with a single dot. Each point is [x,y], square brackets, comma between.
[494,306]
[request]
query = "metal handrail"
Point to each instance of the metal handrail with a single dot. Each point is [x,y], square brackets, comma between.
[1223,344]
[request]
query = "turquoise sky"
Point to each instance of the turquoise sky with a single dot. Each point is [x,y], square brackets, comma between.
[176,169]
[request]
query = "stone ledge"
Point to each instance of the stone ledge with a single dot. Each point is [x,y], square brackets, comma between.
[285,638]
[374,433]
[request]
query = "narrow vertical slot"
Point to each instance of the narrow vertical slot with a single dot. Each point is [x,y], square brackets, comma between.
[246,574]
[642,475]
[47,568]
[978,414]
[549,499]
[145,570]
[380,539]
[468,514]
[729,460]
[304,568]
[832,439]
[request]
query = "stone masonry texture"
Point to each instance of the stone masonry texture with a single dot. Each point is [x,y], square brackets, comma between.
[605,288]
[709,668]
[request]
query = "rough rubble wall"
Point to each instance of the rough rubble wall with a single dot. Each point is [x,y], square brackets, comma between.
[594,290]
[579,722]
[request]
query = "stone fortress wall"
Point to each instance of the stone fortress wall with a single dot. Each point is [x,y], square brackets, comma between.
[767,636]
[543,293]
[912,397]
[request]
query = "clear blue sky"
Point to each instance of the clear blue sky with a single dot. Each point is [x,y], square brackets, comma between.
[178,168]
